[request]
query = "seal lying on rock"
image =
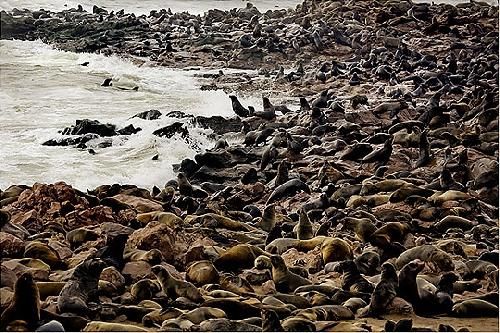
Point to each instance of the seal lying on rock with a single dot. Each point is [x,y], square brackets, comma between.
[174,288]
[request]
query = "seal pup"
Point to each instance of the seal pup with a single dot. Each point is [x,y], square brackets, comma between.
[25,304]
[81,288]
[284,280]
[175,288]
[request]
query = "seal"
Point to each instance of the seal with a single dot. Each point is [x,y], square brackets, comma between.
[363,227]
[262,262]
[428,253]
[153,256]
[81,287]
[234,308]
[112,252]
[284,280]
[238,108]
[77,237]
[385,291]
[101,326]
[475,308]
[238,257]
[352,279]
[288,189]
[335,249]
[268,220]
[271,321]
[185,187]
[201,314]
[202,272]
[304,229]
[144,289]
[25,304]
[298,324]
[227,325]
[175,288]
[51,326]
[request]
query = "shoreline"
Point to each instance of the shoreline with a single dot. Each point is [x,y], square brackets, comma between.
[391,144]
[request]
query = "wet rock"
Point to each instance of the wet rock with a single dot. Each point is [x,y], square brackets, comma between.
[218,124]
[148,115]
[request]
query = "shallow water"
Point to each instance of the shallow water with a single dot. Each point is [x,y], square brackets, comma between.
[44,90]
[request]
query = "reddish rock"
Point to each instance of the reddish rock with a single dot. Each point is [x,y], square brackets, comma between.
[30,220]
[154,236]
[137,270]
[92,216]
[141,205]
[112,275]
[11,246]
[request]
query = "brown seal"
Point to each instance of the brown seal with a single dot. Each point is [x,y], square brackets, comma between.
[174,288]
[25,304]
[284,280]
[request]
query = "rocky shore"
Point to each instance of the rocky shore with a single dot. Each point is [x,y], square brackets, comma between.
[369,202]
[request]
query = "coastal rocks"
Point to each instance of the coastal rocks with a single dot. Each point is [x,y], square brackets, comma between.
[218,124]
[171,130]
[11,246]
[88,130]
[154,235]
[141,205]
[13,27]
[148,115]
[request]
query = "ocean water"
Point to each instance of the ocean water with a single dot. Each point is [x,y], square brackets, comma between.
[43,90]
[145,6]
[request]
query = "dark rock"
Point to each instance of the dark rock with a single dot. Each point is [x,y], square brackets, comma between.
[218,124]
[148,115]
[129,130]
[90,126]
[170,130]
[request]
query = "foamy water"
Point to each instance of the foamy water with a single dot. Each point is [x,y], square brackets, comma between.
[145,6]
[44,90]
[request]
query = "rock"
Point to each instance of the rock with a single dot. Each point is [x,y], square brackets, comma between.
[148,115]
[30,220]
[86,126]
[218,124]
[8,277]
[10,246]
[137,270]
[202,272]
[171,130]
[112,275]
[141,205]
[154,235]
[13,27]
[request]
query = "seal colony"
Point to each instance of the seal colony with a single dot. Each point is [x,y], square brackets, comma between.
[371,205]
